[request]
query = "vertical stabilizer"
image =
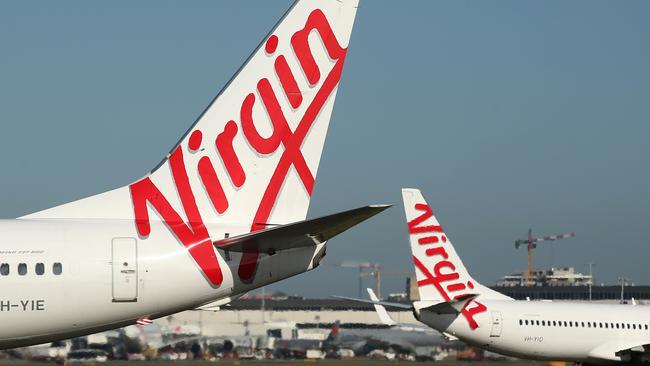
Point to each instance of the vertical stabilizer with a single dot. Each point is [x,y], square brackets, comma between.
[381,310]
[441,275]
[251,157]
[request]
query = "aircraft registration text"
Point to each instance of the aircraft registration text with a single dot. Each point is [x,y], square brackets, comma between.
[22,305]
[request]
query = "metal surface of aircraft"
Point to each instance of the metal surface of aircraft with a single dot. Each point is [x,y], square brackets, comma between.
[223,213]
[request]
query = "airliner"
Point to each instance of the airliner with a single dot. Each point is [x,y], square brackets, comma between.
[221,214]
[458,306]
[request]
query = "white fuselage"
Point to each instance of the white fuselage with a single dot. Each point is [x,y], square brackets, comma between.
[579,332]
[109,278]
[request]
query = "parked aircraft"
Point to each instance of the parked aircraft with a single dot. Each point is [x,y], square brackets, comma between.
[407,337]
[407,340]
[454,303]
[220,215]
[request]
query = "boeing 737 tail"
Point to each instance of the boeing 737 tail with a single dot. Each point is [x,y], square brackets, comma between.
[441,275]
[250,159]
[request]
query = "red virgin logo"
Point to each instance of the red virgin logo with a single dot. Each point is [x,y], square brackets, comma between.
[443,274]
[193,234]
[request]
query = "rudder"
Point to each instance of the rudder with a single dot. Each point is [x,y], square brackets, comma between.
[440,273]
[251,157]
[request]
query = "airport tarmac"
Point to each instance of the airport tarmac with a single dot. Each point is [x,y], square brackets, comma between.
[351,362]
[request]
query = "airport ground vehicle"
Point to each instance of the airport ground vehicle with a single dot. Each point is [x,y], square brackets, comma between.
[87,355]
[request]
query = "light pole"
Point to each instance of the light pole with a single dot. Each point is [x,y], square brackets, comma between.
[263,303]
[622,280]
[591,275]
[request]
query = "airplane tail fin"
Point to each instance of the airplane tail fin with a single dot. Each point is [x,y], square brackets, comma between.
[250,159]
[260,140]
[381,310]
[440,273]
[333,336]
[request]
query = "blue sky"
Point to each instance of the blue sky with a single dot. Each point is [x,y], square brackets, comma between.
[506,114]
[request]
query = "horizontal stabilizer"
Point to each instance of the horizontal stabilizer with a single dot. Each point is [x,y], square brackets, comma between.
[384,303]
[216,305]
[453,306]
[449,337]
[299,234]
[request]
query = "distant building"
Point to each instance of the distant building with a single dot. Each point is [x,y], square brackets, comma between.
[555,277]
[294,314]
[611,294]
[556,286]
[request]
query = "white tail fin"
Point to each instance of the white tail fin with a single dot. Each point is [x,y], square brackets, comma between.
[440,273]
[251,157]
[380,309]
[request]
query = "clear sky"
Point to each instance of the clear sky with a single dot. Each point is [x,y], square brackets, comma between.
[507,114]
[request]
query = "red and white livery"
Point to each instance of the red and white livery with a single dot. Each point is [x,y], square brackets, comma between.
[223,212]
[455,304]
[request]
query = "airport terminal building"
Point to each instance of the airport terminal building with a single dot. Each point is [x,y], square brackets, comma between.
[255,316]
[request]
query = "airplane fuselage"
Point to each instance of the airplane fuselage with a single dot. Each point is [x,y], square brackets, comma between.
[65,278]
[552,330]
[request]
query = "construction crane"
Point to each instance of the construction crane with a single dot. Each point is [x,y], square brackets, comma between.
[363,267]
[377,273]
[367,269]
[531,244]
